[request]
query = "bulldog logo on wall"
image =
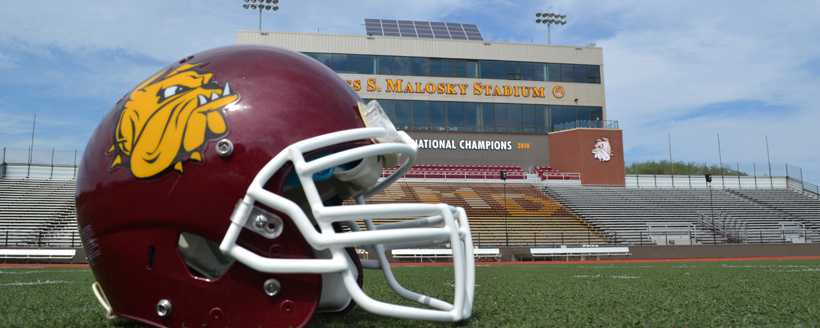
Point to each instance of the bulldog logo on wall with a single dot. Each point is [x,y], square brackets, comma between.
[602,150]
[168,119]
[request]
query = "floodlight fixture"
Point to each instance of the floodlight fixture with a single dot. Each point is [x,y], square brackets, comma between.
[263,5]
[550,19]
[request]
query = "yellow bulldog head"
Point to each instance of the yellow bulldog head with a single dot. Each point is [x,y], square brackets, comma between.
[168,118]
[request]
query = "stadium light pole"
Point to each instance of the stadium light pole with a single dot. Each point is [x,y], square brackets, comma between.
[506,224]
[768,157]
[671,164]
[550,19]
[261,5]
[711,207]
[720,162]
[31,146]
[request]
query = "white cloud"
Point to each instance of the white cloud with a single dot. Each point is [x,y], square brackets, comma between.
[663,60]
[73,57]
[170,29]
[98,34]
[666,60]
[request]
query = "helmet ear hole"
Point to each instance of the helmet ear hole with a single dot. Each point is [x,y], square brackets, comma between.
[202,256]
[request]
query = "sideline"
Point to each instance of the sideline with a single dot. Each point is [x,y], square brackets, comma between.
[620,261]
[484,263]
[44,266]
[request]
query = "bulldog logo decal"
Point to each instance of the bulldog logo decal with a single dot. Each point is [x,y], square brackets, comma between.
[168,119]
[602,150]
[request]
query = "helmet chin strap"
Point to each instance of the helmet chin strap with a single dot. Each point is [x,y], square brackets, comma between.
[100,294]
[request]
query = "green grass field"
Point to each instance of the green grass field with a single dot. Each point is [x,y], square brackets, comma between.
[715,294]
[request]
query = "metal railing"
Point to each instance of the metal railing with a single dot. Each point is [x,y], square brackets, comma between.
[729,176]
[723,225]
[39,163]
[29,239]
[716,238]
[810,188]
[562,176]
[455,175]
[544,239]
[592,124]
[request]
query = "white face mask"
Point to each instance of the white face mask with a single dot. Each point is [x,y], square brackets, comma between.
[361,177]
[429,225]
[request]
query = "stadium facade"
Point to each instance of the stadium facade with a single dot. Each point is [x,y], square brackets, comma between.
[474,102]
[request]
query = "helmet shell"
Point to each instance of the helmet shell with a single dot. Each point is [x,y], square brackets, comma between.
[151,171]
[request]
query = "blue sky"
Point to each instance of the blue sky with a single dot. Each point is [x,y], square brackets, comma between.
[691,69]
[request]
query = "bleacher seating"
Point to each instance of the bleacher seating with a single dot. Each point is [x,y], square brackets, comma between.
[525,217]
[40,214]
[37,213]
[549,173]
[797,205]
[632,216]
[445,171]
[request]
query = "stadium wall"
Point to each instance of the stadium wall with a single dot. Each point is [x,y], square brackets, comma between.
[572,151]
[458,91]
[477,148]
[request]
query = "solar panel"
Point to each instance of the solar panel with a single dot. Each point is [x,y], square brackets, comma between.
[422,29]
[456,31]
[474,37]
[470,27]
[373,27]
[440,30]
[472,32]
[407,29]
[390,27]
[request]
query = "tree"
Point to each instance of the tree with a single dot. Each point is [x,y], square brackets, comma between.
[682,168]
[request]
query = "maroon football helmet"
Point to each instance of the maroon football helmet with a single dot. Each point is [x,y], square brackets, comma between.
[212,195]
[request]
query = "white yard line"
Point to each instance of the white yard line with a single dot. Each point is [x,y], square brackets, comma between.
[587,276]
[37,271]
[34,283]
[596,276]
[809,269]
[624,277]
